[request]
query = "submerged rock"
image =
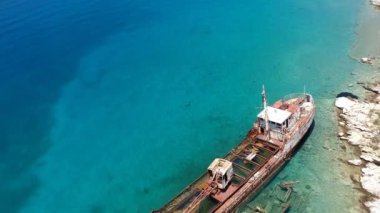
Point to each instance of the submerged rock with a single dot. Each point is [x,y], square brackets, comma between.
[355,162]
[355,178]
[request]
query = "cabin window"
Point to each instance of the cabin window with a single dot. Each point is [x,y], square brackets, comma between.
[274,126]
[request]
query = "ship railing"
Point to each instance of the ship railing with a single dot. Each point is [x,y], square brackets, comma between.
[295,95]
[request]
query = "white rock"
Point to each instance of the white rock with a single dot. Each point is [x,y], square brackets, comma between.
[364,59]
[376,2]
[373,205]
[371,156]
[366,157]
[344,103]
[341,134]
[355,138]
[371,179]
[355,162]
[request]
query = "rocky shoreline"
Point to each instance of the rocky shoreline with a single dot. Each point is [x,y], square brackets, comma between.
[359,117]
[359,123]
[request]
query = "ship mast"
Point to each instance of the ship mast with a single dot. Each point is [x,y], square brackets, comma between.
[265,110]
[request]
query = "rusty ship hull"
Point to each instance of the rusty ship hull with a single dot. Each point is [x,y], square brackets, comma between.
[254,161]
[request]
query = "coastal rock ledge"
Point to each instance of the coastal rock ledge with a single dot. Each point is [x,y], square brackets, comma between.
[361,128]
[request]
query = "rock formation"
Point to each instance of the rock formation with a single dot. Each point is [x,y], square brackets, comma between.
[362,128]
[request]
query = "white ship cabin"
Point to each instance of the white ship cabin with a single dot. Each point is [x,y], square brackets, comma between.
[279,121]
[220,171]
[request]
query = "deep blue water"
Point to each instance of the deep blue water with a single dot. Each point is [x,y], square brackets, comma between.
[117,105]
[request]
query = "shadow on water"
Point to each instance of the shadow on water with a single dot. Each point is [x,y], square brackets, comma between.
[298,147]
[347,95]
[40,52]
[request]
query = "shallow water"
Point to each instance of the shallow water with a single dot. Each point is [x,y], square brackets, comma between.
[129,101]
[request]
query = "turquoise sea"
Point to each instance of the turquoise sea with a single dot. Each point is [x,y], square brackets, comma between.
[115,106]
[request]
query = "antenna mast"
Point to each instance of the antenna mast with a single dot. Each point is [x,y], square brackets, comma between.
[304,90]
[265,110]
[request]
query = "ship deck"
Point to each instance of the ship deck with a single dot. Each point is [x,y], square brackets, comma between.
[243,169]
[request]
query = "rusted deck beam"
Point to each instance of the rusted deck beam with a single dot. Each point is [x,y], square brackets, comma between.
[262,157]
[241,158]
[265,148]
[238,176]
[241,167]
[250,162]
